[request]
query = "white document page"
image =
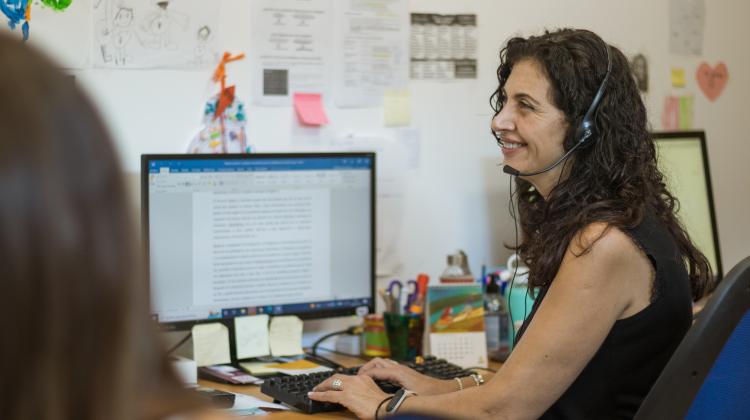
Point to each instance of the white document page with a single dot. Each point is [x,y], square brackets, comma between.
[290,44]
[686,26]
[372,50]
[286,336]
[251,334]
[211,344]
[243,402]
[253,248]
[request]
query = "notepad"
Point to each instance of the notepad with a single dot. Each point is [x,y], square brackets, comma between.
[298,367]
[259,368]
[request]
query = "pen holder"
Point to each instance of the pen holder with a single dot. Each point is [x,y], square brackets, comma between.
[404,335]
[376,341]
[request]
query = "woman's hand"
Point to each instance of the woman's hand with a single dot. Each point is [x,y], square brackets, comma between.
[358,393]
[388,370]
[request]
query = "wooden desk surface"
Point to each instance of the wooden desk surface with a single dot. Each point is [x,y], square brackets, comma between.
[254,390]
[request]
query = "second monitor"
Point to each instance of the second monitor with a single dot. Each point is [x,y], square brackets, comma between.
[233,235]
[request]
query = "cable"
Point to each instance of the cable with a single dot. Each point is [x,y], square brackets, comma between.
[323,360]
[313,353]
[512,212]
[176,346]
[340,352]
[354,330]
[314,348]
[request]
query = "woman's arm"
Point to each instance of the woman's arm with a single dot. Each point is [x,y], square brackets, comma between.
[589,293]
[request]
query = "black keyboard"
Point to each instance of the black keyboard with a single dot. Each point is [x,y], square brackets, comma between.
[292,390]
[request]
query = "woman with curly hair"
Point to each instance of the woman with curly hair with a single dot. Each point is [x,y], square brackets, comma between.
[613,270]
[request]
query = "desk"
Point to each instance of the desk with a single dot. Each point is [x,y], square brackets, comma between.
[254,391]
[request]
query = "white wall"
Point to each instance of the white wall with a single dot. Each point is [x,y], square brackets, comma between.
[458,198]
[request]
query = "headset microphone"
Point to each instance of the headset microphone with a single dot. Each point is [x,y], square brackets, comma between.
[583,132]
[513,171]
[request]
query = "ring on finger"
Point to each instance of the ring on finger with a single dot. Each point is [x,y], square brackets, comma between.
[337,384]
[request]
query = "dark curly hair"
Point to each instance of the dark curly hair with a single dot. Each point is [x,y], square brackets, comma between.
[612,180]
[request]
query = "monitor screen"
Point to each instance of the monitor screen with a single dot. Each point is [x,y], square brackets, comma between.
[683,160]
[234,235]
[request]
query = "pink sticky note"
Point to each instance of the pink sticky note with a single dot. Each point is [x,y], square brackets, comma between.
[670,117]
[309,107]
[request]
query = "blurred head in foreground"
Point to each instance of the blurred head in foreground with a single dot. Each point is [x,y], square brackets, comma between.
[77,340]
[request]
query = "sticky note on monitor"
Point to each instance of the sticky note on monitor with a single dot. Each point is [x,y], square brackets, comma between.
[251,336]
[286,336]
[309,109]
[211,344]
[397,107]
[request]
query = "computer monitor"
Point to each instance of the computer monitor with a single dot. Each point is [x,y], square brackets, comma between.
[279,234]
[683,159]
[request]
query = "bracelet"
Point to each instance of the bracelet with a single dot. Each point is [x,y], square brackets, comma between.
[380,405]
[460,384]
[478,379]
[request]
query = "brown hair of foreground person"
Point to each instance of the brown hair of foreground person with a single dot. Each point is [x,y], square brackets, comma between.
[77,342]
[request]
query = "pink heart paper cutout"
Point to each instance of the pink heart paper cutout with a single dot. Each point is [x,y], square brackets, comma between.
[712,80]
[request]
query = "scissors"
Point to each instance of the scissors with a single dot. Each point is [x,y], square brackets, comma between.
[394,295]
[413,291]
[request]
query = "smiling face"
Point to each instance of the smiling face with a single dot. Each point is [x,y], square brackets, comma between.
[532,128]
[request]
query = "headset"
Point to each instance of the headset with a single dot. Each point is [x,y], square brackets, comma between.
[583,132]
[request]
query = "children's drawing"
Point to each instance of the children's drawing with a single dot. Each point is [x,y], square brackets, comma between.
[18,11]
[121,33]
[58,5]
[155,33]
[203,53]
[160,23]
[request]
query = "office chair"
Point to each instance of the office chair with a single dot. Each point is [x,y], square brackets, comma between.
[709,374]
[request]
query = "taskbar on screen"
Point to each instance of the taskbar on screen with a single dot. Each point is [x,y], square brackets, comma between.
[294,308]
[361,306]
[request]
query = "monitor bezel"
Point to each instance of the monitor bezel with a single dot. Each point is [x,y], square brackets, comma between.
[317,314]
[701,137]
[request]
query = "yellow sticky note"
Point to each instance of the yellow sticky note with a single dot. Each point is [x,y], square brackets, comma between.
[211,344]
[251,336]
[678,77]
[397,107]
[285,335]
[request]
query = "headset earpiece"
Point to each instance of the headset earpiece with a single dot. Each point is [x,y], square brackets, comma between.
[586,129]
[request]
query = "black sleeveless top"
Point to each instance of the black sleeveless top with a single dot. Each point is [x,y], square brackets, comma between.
[616,380]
